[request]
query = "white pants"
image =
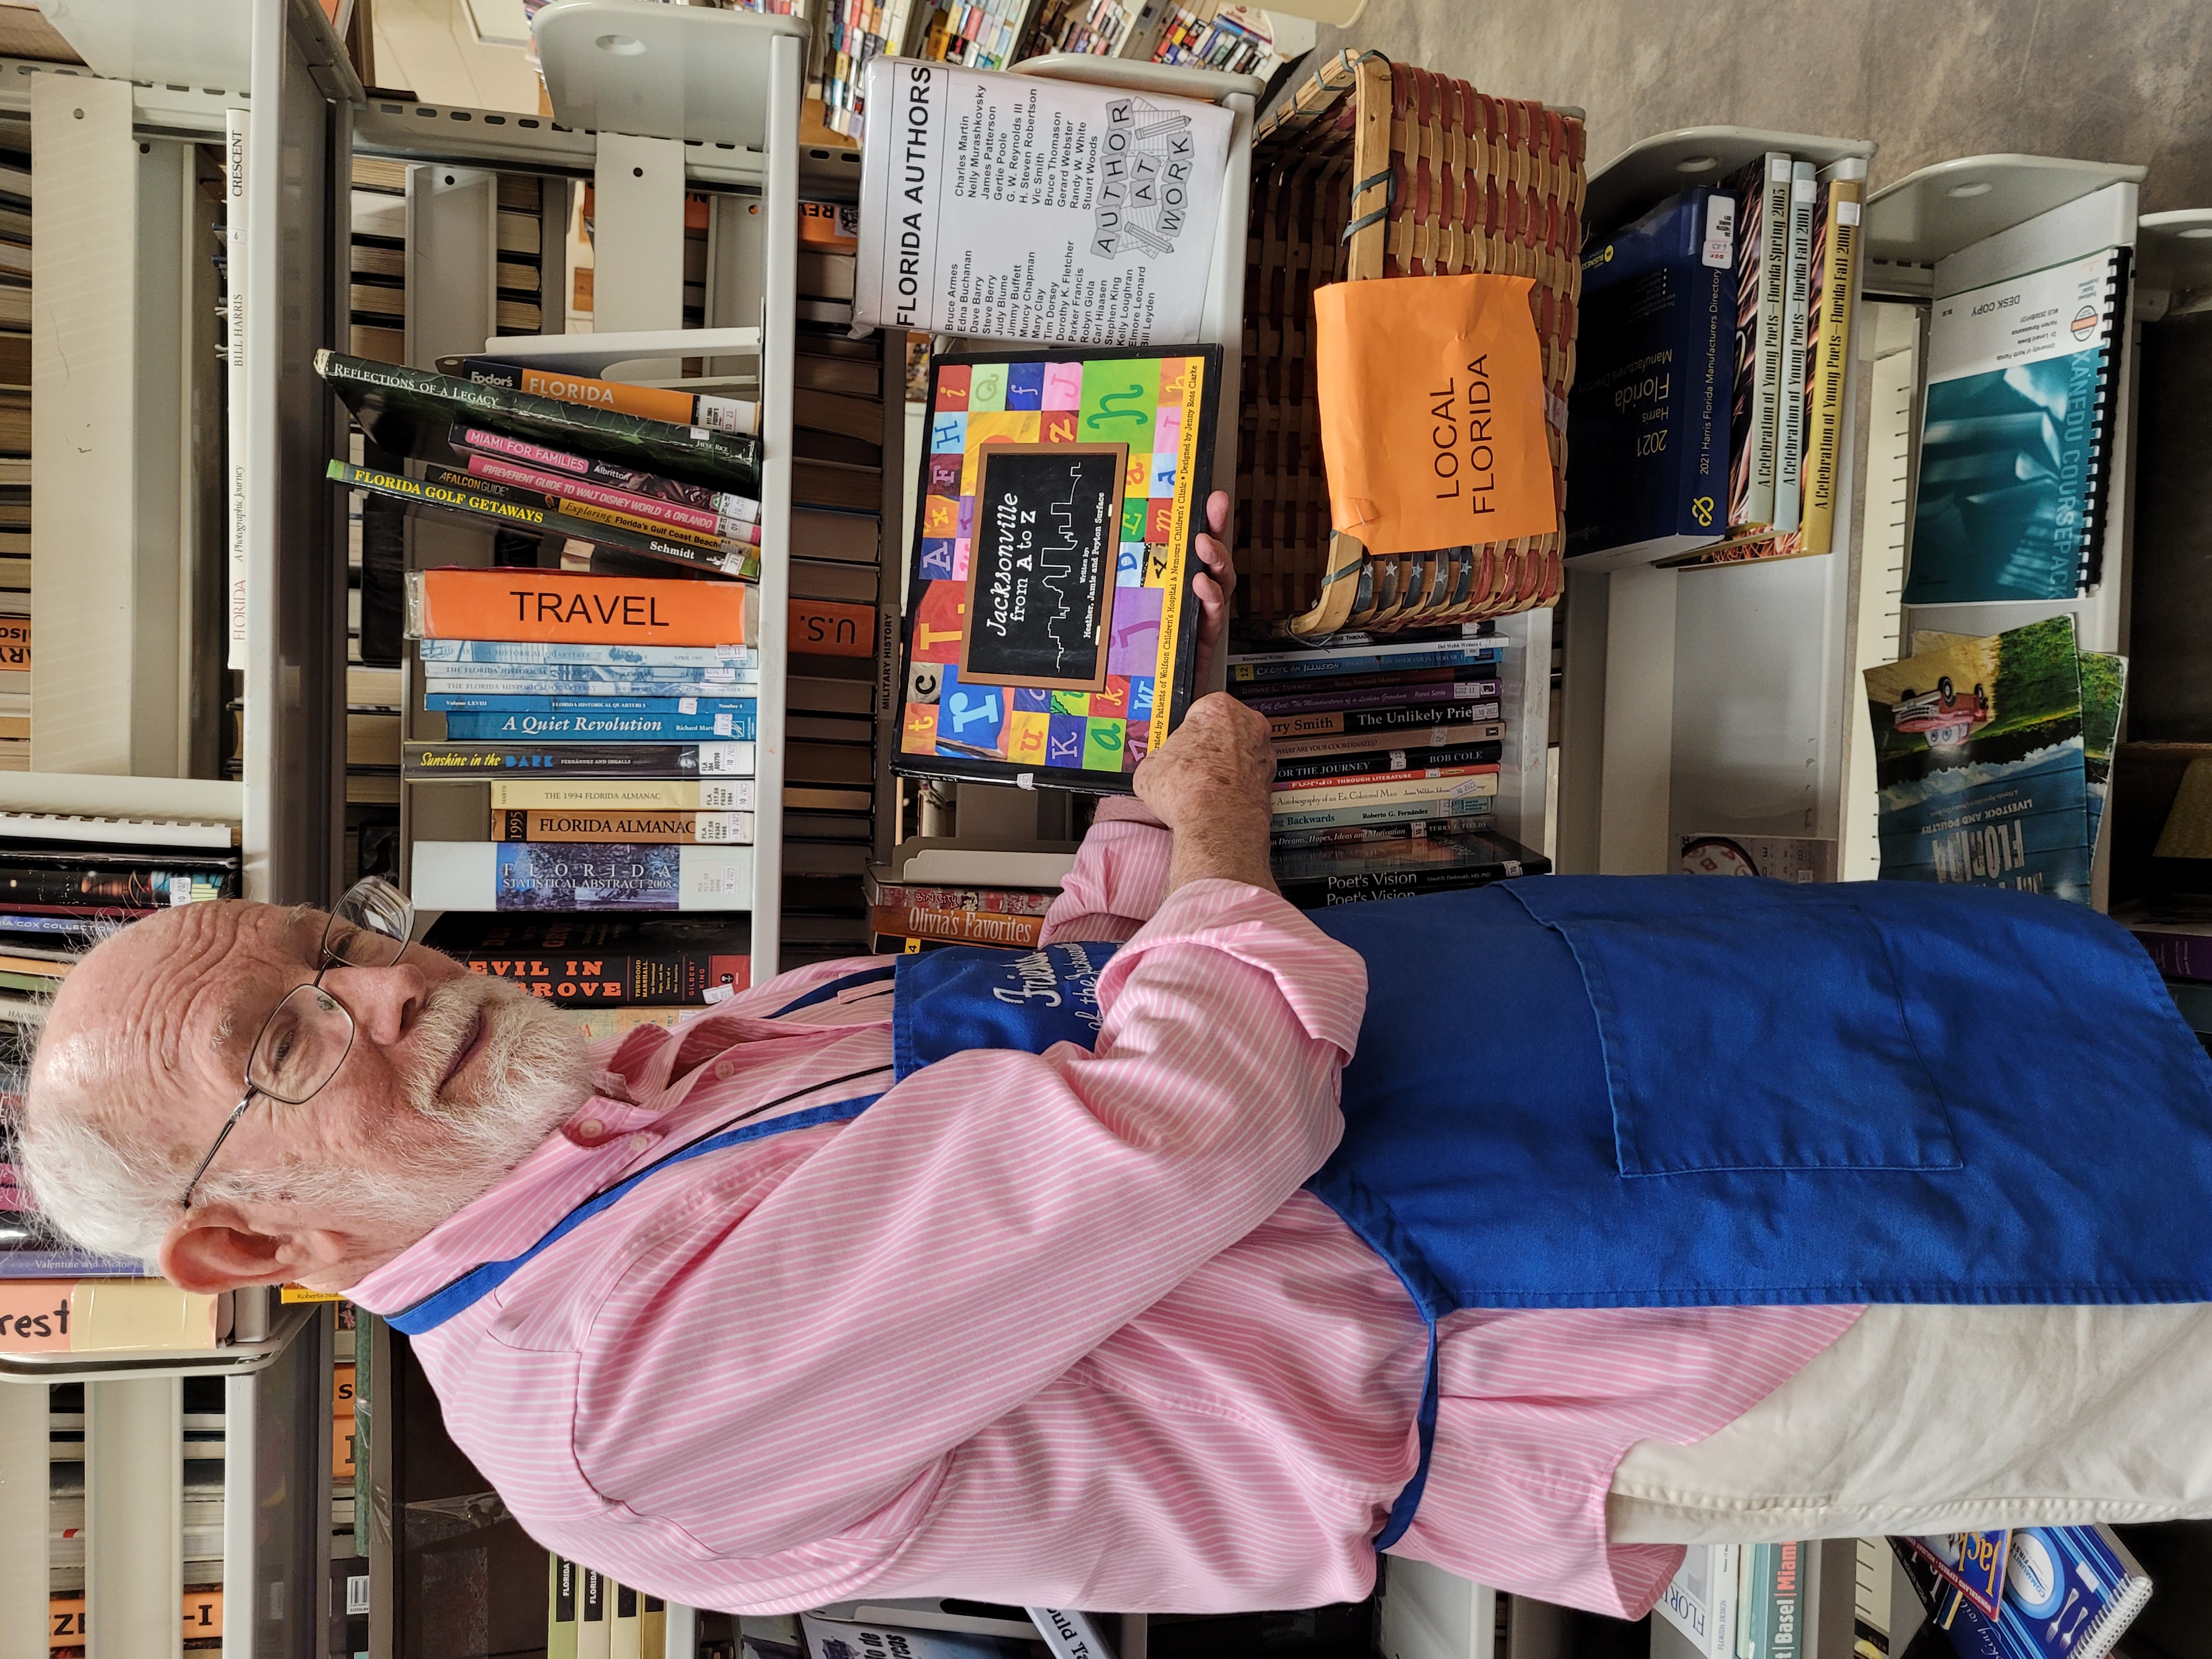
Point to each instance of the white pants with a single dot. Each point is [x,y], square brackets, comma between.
[1924,1419]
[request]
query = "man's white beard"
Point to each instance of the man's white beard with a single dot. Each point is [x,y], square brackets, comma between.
[533,1076]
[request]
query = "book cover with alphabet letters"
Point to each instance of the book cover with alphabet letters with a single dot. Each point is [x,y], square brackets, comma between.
[1050,630]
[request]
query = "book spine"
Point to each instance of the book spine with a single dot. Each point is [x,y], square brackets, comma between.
[1395,677]
[1005,902]
[638,795]
[1383,762]
[476,439]
[148,886]
[236,127]
[732,453]
[1069,1634]
[659,979]
[708,521]
[546,607]
[593,1637]
[614,660]
[560,1607]
[1831,348]
[1364,887]
[1378,785]
[481,504]
[654,403]
[1725,1573]
[1766,384]
[527,728]
[1381,719]
[701,828]
[1702,499]
[1381,697]
[484,703]
[565,505]
[2178,956]
[471,762]
[828,627]
[1790,444]
[963,927]
[1352,743]
[1786,1637]
[1304,816]
[1312,665]
[435,685]
[530,876]
[1471,823]
[625,1639]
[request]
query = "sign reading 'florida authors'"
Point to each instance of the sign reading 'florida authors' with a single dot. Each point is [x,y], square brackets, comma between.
[1021,209]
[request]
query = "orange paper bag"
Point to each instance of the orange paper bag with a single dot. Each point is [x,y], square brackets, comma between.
[1432,411]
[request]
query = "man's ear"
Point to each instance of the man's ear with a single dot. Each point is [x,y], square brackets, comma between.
[215,1252]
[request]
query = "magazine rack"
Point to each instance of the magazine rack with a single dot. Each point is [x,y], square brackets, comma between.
[1910,225]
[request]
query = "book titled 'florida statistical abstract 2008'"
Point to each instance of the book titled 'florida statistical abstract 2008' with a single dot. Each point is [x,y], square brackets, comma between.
[1051,635]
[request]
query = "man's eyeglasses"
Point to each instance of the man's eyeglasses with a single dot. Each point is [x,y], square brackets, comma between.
[309,1032]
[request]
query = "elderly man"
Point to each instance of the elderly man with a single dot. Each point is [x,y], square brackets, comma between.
[1061,1278]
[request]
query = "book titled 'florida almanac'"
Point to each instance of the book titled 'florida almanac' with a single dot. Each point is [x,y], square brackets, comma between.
[1050,634]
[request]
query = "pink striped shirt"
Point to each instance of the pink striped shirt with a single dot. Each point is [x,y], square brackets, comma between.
[1055,1329]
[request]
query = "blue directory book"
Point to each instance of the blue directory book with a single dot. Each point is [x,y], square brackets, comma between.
[1648,420]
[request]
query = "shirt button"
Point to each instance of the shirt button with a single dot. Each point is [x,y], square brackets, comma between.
[591,1127]
[724,1070]
[638,1143]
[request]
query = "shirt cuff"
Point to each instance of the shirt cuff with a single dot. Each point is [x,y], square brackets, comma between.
[1121,875]
[1324,982]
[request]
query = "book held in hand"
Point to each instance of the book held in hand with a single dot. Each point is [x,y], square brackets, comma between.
[1051,633]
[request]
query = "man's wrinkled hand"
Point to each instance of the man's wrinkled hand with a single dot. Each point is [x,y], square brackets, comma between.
[1209,783]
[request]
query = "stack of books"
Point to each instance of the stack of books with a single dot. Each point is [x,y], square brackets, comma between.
[1094,28]
[1236,40]
[940,891]
[377,295]
[1387,759]
[613,717]
[1733,453]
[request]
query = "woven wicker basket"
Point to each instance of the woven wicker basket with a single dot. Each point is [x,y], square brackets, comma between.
[1375,169]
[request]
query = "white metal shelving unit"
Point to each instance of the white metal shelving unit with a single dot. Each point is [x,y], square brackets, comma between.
[122,460]
[1932,214]
[1712,699]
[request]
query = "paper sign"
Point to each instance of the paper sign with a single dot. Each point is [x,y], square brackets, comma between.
[1432,398]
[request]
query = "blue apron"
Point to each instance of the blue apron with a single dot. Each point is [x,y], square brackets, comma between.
[1616,1092]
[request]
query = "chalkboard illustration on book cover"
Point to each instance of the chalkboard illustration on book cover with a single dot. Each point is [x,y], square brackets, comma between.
[1049,627]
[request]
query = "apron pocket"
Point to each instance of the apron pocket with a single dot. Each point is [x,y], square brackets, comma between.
[1752,1035]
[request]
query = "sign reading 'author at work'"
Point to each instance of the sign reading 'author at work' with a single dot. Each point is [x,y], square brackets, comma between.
[1433,412]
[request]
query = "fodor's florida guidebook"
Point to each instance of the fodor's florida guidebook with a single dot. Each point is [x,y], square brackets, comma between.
[1979,758]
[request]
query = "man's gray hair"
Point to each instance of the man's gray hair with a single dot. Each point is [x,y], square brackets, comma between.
[111,1192]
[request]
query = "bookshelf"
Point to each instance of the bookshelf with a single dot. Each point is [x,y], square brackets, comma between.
[1931,215]
[129,547]
[1713,700]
